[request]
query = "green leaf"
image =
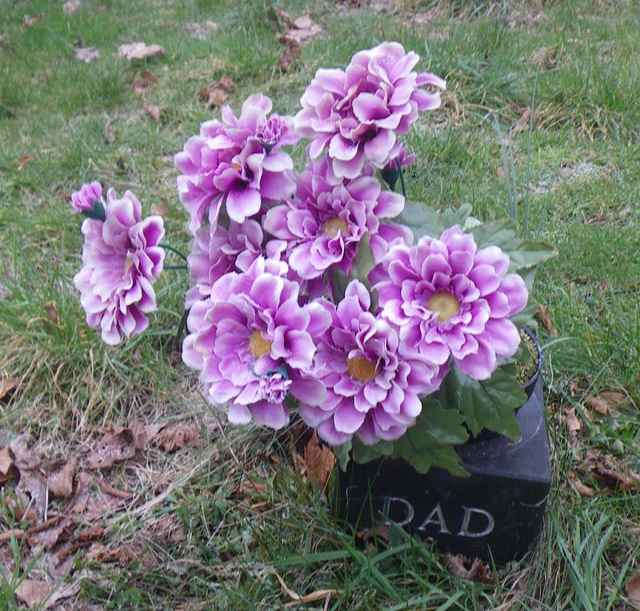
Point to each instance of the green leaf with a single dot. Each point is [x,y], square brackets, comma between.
[527,318]
[500,233]
[362,453]
[342,454]
[339,283]
[430,442]
[488,404]
[363,262]
[423,220]
[529,254]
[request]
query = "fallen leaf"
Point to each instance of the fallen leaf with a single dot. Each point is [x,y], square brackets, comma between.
[50,532]
[123,555]
[139,50]
[319,461]
[147,78]
[612,399]
[308,598]
[14,533]
[33,592]
[60,478]
[300,30]
[610,471]
[289,56]
[24,161]
[109,136]
[109,489]
[144,433]
[86,54]
[176,436]
[378,532]
[153,111]
[632,588]
[28,21]
[6,465]
[217,93]
[35,486]
[473,570]
[597,404]
[111,449]
[71,6]
[522,123]
[571,420]
[201,31]
[64,591]
[7,385]
[52,313]
[82,493]
[86,538]
[581,488]
[24,456]
[169,529]
[543,315]
[545,58]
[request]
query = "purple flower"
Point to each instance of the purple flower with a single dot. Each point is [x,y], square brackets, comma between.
[327,218]
[357,113]
[451,299]
[121,259]
[83,200]
[237,162]
[372,390]
[215,253]
[253,343]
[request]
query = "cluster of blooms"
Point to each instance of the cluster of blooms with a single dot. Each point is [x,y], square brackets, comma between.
[264,329]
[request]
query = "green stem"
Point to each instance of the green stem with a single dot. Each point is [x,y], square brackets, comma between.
[172,249]
[404,191]
[181,327]
[175,267]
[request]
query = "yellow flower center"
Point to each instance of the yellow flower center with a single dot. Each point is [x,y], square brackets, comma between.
[445,305]
[258,345]
[361,369]
[333,226]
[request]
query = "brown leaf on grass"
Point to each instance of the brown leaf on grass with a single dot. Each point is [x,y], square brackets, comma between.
[289,56]
[113,448]
[60,478]
[299,30]
[543,315]
[319,462]
[522,123]
[169,529]
[606,401]
[86,538]
[82,493]
[146,80]
[28,21]
[86,54]
[122,555]
[7,470]
[108,133]
[33,592]
[24,161]
[50,532]
[473,570]
[572,421]
[23,455]
[110,490]
[610,471]
[308,598]
[217,93]
[51,309]
[175,436]
[35,486]
[7,385]
[581,488]
[632,589]
[71,6]
[139,50]
[201,31]
[153,111]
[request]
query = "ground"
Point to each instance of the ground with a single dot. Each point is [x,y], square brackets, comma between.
[540,122]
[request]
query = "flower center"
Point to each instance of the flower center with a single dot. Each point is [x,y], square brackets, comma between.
[361,369]
[333,226]
[258,345]
[444,305]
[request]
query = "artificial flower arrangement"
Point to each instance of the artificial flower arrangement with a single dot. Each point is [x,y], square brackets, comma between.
[389,328]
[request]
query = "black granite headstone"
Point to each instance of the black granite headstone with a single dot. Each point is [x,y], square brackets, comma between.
[495,514]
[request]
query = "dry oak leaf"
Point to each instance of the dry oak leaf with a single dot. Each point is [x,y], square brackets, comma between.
[632,588]
[319,462]
[7,385]
[60,478]
[33,592]
[477,571]
[139,50]
[610,472]
[597,404]
[113,448]
[71,6]
[153,111]
[543,315]
[606,401]
[86,55]
[147,78]
[175,436]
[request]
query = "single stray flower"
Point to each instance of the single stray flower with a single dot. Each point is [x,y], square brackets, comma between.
[121,260]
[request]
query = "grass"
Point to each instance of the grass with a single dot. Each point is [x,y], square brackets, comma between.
[569,174]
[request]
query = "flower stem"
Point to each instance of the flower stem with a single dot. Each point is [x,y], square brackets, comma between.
[181,327]
[172,249]
[175,267]
[404,191]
